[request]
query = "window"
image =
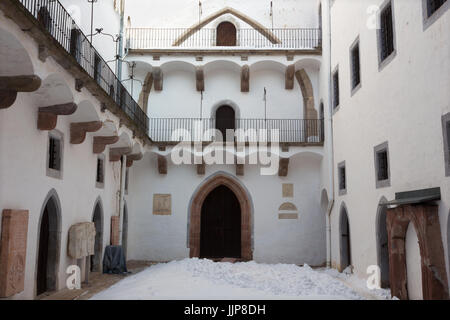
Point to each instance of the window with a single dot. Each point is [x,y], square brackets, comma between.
[382,165]
[446,134]
[342,178]
[355,65]
[433,10]
[433,6]
[386,33]
[336,88]
[127,177]
[54,154]
[100,176]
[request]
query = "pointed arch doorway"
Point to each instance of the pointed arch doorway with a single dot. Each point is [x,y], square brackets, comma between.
[216,231]
[96,259]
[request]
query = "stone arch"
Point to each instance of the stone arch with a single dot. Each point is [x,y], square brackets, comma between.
[195,208]
[344,238]
[382,242]
[309,112]
[48,244]
[227,10]
[98,219]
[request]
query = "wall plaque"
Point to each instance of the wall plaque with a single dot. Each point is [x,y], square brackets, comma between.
[162,204]
[288,190]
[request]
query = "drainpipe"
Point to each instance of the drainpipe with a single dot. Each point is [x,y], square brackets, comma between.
[120,54]
[123,170]
[330,144]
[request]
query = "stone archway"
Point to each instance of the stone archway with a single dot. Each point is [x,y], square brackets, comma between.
[49,243]
[243,198]
[344,239]
[97,218]
[382,243]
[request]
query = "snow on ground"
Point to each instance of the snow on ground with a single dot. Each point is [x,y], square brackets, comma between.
[194,279]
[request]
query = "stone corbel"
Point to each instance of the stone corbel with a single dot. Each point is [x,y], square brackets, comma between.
[157,78]
[283,167]
[162,164]
[133,157]
[48,116]
[10,86]
[290,73]
[100,143]
[78,130]
[245,78]
[199,79]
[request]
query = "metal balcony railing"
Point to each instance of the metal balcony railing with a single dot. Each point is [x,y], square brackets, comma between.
[52,16]
[300,131]
[173,38]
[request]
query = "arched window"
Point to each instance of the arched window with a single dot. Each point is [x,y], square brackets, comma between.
[225,119]
[226,34]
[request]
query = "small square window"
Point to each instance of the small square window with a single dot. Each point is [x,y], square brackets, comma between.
[100,175]
[54,154]
[342,178]
[382,170]
[355,66]
[336,88]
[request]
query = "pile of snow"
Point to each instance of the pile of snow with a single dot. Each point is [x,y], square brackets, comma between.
[205,279]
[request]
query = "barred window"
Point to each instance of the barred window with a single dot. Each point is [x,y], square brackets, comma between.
[382,170]
[382,165]
[386,32]
[433,6]
[54,153]
[100,171]
[355,65]
[336,89]
[342,178]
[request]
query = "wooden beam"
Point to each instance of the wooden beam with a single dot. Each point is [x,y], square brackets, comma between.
[162,164]
[199,79]
[48,116]
[245,78]
[157,78]
[290,73]
[78,130]
[116,153]
[7,98]
[20,83]
[100,143]
[283,167]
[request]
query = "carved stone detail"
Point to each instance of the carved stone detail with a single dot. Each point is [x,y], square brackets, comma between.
[48,116]
[79,130]
[100,143]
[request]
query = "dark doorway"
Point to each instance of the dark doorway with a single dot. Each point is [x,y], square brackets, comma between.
[226,34]
[48,249]
[96,259]
[225,119]
[125,230]
[346,258]
[382,246]
[220,231]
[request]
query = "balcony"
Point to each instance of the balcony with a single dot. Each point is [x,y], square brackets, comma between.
[206,38]
[285,131]
[51,16]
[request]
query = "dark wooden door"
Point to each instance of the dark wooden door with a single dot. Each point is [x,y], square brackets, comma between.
[225,119]
[226,34]
[43,254]
[220,231]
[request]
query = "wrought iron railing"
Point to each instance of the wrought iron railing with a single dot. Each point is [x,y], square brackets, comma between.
[169,130]
[153,38]
[52,16]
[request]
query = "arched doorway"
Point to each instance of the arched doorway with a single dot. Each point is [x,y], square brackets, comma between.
[382,244]
[413,264]
[226,34]
[125,230]
[201,203]
[220,225]
[49,245]
[225,119]
[344,231]
[96,259]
